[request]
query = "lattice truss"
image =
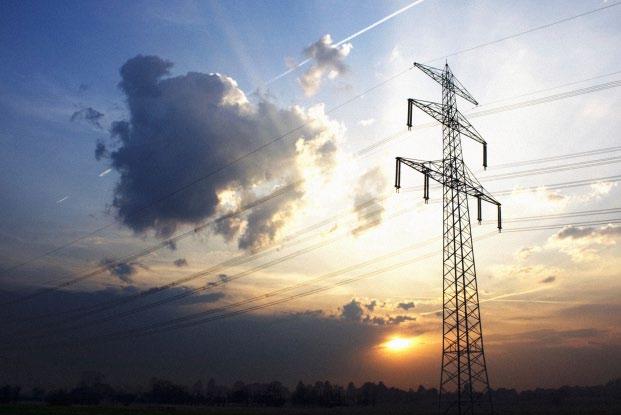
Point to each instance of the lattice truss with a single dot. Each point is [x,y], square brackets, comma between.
[464,383]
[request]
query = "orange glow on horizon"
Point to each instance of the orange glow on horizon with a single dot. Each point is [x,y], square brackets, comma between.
[398,344]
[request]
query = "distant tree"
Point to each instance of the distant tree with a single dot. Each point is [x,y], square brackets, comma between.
[299,395]
[37,394]
[198,392]
[166,392]
[276,394]
[9,393]
[124,398]
[239,393]
[351,394]
[58,397]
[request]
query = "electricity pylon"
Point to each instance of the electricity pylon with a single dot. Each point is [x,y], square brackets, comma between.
[464,383]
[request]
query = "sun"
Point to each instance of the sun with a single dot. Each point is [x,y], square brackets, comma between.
[399,344]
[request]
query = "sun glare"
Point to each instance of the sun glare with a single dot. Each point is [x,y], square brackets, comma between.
[399,344]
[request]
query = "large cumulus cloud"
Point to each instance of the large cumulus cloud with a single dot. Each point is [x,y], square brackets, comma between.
[183,128]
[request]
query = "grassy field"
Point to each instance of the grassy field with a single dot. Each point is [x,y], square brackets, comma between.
[29,409]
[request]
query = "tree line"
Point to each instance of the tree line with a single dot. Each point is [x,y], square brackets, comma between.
[92,389]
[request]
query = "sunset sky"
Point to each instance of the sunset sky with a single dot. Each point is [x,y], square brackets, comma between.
[241,155]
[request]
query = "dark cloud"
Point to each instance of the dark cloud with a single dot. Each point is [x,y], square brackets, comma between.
[396,320]
[122,270]
[204,298]
[181,262]
[548,280]
[288,347]
[370,185]
[371,305]
[90,115]
[172,245]
[551,337]
[575,232]
[101,151]
[387,321]
[352,311]
[376,320]
[183,128]
[327,60]
[406,306]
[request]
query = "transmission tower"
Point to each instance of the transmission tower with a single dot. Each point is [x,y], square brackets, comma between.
[464,384]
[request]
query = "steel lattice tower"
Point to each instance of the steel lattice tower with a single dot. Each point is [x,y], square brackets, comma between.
[464,384]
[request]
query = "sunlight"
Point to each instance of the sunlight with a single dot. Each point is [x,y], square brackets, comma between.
[399,344]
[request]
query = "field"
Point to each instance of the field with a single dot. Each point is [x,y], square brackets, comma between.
[31,409]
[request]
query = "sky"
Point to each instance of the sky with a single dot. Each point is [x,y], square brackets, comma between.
[205,189]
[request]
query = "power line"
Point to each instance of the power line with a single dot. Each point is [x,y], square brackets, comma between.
[531,30]
[605,150]
[153,329]
[279,138]
[564,225]
[54,328]
[538,91]
[162,244]
[207,175]
[523,104]
[83,312]
[332,274]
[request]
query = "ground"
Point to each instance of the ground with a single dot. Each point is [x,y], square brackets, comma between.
[29,409]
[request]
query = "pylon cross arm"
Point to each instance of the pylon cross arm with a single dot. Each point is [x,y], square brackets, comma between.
[433,169]
[435,110]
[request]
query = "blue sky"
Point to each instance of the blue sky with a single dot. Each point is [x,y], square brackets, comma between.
[61,58]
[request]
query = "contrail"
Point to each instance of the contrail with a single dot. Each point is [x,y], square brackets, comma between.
[62,200]
[103,173]
[497,298]
[350,37]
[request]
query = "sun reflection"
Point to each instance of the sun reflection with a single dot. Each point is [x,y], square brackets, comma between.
[398,344]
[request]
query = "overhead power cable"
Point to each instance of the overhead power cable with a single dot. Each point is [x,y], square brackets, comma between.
[281,137]
[55,327]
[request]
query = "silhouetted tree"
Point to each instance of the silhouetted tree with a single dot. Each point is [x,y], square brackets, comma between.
[9,394]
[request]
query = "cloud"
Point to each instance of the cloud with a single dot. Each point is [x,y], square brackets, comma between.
[548,280]
[576,232]
[387,321]
[181,262]
[122,270]
[101,151]
[352,311]
[183,128]
[371,305]
[406,306]
[396,320]
[90,115]
[551,337]
[327,61]
[203,298]
[584,243]
[367,122]
[248,346]
[527,252]
[370,185]
[172,245]
[395,53]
